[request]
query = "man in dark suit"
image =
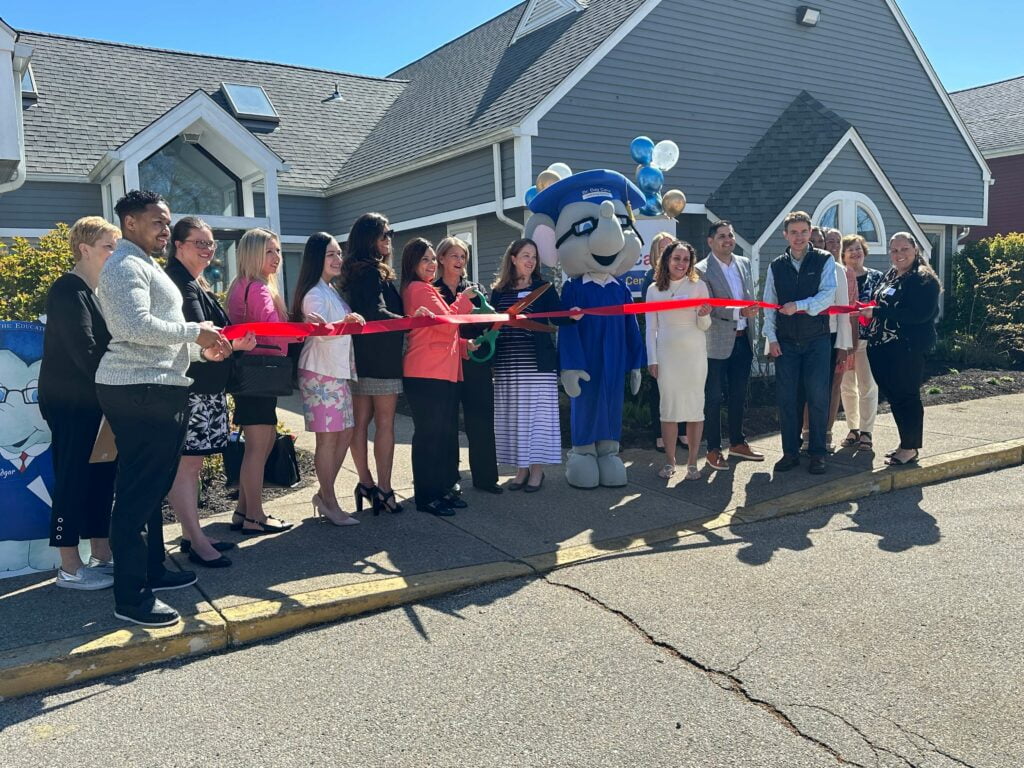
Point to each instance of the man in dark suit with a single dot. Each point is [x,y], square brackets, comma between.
[730,345]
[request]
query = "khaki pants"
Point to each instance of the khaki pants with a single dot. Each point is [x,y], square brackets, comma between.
[860,393]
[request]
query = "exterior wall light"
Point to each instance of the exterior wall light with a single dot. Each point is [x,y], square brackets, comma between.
[807,16]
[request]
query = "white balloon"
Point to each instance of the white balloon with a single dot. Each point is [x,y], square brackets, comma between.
[563,170]
[665,155]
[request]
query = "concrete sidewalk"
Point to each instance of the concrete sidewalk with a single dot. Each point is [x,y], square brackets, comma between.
[317,572]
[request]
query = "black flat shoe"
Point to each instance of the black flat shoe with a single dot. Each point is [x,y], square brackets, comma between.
[221,546]
[453,500]
[495,489]
[438,508]
[817,466]
[786,463]
[277,526]
[220,562]
[534,488]
[236,526]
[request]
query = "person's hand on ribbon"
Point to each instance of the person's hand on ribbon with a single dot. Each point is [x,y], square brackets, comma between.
[789,308]
[748,312]
[354,317]
[704,310]
[578,314]
[245,343]
[213,346]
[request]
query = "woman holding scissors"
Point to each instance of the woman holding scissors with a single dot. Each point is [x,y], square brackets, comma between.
[526,427]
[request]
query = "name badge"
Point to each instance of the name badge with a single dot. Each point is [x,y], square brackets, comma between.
[522,294]
[889,291]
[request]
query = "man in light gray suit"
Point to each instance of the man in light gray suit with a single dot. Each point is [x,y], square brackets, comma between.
[730,345]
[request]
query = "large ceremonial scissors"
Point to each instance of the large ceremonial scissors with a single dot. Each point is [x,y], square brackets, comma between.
[488,340]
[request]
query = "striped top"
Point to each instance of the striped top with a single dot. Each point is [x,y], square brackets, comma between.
[516,349]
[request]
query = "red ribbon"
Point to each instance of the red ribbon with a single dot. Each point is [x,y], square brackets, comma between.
[302,330]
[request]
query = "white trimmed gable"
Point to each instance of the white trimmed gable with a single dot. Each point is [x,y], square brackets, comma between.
[540,13]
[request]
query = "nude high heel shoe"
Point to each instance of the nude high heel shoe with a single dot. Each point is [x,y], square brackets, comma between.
[324,512]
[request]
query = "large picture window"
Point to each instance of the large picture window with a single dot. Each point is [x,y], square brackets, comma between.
[191,180]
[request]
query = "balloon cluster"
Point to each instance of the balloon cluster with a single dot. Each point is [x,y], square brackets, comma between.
[547,177]
[655,160]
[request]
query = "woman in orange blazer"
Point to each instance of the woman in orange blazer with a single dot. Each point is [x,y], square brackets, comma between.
[432,369]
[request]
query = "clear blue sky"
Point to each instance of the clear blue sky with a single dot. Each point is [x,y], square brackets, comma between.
[968,43]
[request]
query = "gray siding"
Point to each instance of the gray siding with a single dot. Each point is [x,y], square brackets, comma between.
[494,238]
[456,183]
[41,204]
[508,169]
[302,215]
[259,204]
[736,73]
[847,172]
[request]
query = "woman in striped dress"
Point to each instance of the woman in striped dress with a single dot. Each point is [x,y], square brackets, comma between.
[526,427]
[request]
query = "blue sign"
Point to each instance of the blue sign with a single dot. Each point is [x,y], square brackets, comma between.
[26,467]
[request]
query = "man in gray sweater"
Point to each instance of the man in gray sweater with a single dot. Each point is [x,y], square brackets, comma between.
[143,391]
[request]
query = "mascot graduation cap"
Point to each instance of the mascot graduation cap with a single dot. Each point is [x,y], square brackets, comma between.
[584,223]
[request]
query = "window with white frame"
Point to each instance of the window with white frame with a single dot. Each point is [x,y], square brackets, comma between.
[466,231]
[851,213]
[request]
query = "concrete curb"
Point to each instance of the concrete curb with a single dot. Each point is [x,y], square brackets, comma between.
[72,660]
[64,662]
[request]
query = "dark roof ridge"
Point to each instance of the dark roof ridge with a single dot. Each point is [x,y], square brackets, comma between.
[211,56]
[457,39]
[988,85]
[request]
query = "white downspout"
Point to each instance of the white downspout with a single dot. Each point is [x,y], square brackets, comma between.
[499,202]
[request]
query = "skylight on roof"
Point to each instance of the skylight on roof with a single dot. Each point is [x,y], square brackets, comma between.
[28,83]
[249,102]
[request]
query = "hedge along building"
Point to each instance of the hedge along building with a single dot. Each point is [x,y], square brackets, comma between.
[774,106]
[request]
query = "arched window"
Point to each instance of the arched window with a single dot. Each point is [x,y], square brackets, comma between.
[851,212]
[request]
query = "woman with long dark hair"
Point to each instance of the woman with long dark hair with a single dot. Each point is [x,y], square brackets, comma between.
[433,369]
[368,284]
[326,367]
[207,431]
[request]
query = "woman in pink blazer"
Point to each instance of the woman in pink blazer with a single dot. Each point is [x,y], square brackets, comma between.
[432,369]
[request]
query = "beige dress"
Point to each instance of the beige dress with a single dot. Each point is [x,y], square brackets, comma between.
[677,343]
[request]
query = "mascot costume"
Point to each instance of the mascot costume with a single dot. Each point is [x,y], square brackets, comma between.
[584,223]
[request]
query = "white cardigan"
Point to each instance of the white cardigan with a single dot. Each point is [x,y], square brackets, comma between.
[327,355]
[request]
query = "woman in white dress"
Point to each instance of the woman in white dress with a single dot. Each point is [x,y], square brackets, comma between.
[677,354]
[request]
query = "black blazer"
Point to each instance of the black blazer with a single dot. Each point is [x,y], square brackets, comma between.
[198,306]
[74,341]
[907,307]
[543,343]
[378,355]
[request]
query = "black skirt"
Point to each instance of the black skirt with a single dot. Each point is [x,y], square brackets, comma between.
[250,411]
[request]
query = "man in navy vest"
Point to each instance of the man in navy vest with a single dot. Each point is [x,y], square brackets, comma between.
[803,281]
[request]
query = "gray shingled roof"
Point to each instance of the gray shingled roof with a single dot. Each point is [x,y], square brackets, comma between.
[994,113]
[777,166]
[478,84]
[82,113]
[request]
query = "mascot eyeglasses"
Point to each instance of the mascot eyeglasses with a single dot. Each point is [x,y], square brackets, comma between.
[584,227]
[30,395]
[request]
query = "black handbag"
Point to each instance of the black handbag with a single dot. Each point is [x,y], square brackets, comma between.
[281,469]
[261,375]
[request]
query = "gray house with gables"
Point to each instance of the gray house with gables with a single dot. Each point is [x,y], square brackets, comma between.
[838,113]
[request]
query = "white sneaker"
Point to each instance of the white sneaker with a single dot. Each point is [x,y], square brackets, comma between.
[103,566]
[84,578]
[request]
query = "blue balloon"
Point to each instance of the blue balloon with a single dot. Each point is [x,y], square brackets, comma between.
[653,205]
[650,180]
[641,149]
[530,194]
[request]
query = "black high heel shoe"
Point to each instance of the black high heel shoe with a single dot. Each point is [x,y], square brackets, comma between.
[220,546]
[382,499]
[370,493]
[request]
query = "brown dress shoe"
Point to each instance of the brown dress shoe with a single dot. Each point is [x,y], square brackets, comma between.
[744,451]
[715,460]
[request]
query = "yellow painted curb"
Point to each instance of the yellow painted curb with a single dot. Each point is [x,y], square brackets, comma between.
[972,461]
[75,659]
[257,620]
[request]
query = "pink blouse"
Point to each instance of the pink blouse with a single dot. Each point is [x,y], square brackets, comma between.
[256,307]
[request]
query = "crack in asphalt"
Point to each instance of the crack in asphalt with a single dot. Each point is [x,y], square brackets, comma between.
[875,748]
[932,746]
[725,680]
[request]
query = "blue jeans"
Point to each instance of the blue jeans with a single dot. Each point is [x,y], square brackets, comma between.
[807,363]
